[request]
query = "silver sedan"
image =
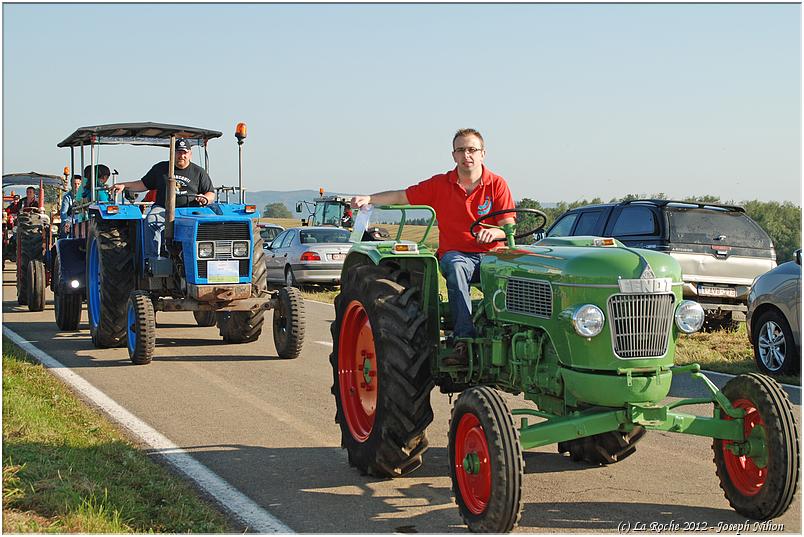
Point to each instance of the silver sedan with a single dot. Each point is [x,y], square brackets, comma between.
[774,317]
[307,255]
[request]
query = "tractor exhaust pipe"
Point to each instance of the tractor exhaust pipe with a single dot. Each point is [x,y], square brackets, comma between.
[170,192]
[240,134]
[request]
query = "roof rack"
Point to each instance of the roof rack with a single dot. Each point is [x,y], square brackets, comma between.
[148,133]
[662,203]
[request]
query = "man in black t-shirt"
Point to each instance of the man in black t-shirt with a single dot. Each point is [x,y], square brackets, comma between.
[192,181]
[193,186]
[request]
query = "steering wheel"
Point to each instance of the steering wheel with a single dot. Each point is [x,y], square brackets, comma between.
[191,201]
[538,213]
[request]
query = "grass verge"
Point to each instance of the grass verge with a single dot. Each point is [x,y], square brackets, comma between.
[66,469]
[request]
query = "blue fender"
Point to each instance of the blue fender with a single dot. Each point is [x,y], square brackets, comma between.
[72,267]
[122,212]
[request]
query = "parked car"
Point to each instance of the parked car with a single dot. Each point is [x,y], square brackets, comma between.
[720,249]
[269,232]
[774,318]
[307,255]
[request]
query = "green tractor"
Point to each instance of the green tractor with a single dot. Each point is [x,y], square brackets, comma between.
[583,327]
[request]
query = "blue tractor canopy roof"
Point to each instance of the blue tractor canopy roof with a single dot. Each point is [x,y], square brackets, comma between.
[155,134]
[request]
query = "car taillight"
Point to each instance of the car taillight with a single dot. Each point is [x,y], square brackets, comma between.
[310,256]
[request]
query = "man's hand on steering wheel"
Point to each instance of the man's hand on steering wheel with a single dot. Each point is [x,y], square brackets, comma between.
[202,200]
[496,230]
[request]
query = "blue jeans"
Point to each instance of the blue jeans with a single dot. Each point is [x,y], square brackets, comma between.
[460,269]
[152,230]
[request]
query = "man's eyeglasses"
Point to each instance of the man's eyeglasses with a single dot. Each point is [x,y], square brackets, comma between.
[470,150]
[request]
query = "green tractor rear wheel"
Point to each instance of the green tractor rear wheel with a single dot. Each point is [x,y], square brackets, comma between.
[381,370]
[204,318]
[486,463]
[604,448]
[760,477]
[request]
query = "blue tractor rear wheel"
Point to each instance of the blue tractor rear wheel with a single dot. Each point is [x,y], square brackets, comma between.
[110,280]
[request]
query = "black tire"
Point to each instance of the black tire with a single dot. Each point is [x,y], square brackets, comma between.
[116,281]
[770,495]
[775,349]
[246,326]
[289,322]
[605,448]
[204,318]
[486,464]
[141,329]
[36,285]
[30,227]
[67,308]
[391,440]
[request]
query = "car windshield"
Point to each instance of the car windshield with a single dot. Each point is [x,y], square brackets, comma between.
[707,226]
[311,236]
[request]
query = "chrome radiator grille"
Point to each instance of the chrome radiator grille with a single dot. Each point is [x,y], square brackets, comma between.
[640,324]
[529,297]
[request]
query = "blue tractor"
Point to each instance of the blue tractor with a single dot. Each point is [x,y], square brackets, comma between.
[212,263]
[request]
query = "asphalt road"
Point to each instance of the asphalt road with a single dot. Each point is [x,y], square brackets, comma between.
[266,426]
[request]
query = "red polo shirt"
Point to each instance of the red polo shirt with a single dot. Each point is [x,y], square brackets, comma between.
[456,210]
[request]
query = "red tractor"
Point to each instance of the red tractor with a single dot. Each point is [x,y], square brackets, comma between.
[32,228]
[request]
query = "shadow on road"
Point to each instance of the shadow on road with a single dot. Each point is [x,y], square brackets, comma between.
[285,480]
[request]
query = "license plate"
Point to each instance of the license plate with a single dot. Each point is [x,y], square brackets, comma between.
[337,257]
[223,272]
[716,291]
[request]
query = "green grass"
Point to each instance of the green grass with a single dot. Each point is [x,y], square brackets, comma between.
[66,469]
[723,351]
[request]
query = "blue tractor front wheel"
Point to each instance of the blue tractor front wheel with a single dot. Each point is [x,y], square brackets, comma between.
[141,328]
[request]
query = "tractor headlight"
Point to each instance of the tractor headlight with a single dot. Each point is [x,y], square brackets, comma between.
[689,316]
[206,250]
[588,320]
[240,249]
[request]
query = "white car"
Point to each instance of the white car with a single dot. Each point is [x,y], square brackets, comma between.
[307,255]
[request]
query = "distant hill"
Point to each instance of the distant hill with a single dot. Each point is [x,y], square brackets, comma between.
[291,197]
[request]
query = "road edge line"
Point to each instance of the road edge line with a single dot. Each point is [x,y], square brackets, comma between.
[237,504]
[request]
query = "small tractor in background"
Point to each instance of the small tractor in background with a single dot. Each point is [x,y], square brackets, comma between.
[583,327]
[213,263]
[335,211]
[32,231]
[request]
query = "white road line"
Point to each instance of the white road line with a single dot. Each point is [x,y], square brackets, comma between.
[233,501]
[319,302]
[325,343]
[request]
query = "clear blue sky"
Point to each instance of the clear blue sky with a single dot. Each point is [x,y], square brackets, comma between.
[575,101]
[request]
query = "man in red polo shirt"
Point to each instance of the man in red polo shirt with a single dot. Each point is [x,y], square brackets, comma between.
[459,197]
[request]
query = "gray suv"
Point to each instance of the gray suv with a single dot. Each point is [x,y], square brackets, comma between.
[720,249]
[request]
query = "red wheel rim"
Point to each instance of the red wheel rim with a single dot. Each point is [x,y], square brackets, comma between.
[746,477]
[357,371]
[472,466]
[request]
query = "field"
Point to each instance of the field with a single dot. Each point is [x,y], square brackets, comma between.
[726,352]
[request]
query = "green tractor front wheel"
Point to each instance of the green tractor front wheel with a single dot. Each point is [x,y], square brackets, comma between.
[486,463]
[760,476]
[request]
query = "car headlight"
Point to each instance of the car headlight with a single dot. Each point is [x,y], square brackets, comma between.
[206,250]
[588,320]
[240,249]
[689,316]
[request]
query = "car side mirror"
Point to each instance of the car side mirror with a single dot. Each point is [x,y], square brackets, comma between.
[298,207]
[797,255]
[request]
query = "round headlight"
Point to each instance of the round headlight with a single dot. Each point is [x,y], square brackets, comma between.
[206,249]
[588,320]
[689,316]
[240,249]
